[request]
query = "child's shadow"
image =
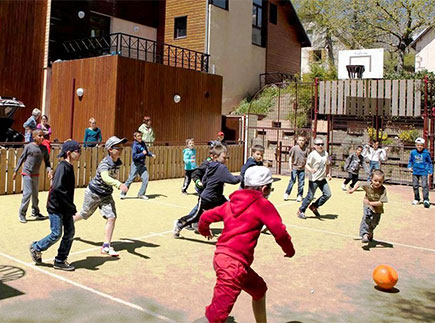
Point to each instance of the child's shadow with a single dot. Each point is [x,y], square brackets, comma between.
[92,262]
[153,196]
[324,217]
[130,245]
[375,244]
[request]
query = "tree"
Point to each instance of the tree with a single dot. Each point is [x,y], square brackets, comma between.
[397,22]
[368,23]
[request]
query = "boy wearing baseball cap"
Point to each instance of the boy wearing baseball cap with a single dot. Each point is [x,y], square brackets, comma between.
[420,164]
[243,216]
[98,194]
[61,208]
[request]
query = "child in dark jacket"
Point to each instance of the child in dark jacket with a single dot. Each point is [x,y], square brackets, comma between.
[243,216]
[139,152]
[421,166]
[61,208]
[352,166]
[216,175]
[256,159]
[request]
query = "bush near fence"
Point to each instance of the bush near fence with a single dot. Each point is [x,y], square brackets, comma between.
[168,164]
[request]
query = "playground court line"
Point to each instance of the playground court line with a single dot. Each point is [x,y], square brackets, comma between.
[89,289]
[331,232]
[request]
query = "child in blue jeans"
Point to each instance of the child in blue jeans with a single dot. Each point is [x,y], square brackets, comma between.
[421,166]
[139,152]
[61,208]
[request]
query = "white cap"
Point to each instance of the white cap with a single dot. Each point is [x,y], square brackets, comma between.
[258,176]
[113,141]
[419,140]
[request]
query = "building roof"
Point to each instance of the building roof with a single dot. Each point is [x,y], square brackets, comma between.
[420,36]
[302,35]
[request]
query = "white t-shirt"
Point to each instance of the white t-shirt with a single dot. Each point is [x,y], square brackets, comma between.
[317,162]
[374,155]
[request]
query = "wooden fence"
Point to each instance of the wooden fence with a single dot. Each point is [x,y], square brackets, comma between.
[401,98]
[168,164]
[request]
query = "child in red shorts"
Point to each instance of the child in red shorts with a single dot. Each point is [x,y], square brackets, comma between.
[243,216]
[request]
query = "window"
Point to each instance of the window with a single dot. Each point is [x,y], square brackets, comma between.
[220,3]
[273,18]
[180,27]
[317,55]
[257,23]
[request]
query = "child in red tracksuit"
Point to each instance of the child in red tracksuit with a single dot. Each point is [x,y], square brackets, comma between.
[243,216]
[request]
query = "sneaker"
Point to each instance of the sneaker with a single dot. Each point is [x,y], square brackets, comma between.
[415,202]
[426,204]
[35,254]
[190,227]
[143,197]
[22,218]
[343,187]
[285,197]
[64,265]
[313,209]
[301,215]
[365,238]
[176,231]
[122,196]
[184,192]
[299,198]
[109,251]
[38,216]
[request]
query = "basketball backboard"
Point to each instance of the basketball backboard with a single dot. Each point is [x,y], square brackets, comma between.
[372,59]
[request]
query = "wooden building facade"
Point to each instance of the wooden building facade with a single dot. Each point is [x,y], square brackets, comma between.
[119,92]
[22,27]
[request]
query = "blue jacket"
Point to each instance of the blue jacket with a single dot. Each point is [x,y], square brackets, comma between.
[189,158]
[420,162]
[249,163]
[216,175]
[137,152]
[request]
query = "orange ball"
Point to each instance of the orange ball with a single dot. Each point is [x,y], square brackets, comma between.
[385,276]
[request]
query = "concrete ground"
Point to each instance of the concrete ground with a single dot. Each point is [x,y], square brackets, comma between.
[158,278]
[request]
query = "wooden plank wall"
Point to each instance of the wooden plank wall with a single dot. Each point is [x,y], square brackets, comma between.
[22,26]
[97,76]
[364,97]
[148,89]
[119,91]
[168,164]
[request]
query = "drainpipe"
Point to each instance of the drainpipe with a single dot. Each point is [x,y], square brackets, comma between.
[207,27]
[45,63]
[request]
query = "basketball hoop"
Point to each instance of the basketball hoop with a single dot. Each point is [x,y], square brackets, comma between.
[355,71]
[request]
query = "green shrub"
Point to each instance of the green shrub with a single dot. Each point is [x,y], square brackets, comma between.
[409,136]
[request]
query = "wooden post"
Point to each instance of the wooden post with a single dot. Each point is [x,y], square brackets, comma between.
[425,114]
[316,111]
[72,107]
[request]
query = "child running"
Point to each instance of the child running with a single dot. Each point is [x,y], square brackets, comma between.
[32,156]
[374,199]
[297,160]
[319,168]
[420,164]
[61,208]
[352,166]
[98,194]
[256,159]
[243,216]
[216,175]
[189,159]
[139,152]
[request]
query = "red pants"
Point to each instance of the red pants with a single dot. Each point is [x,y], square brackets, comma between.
[231,278]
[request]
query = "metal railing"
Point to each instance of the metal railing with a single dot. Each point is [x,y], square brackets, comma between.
[138,48]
